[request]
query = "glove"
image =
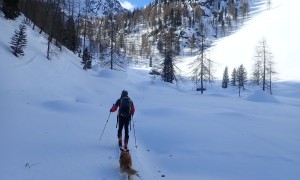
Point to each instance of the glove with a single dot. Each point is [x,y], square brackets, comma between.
[111,109]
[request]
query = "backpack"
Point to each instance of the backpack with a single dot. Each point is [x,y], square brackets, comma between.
[125,106]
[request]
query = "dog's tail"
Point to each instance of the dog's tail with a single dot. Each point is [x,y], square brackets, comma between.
[131,172]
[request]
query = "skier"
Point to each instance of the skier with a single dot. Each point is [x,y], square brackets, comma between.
[126,111]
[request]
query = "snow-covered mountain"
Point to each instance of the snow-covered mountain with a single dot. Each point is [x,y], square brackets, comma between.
[107,7]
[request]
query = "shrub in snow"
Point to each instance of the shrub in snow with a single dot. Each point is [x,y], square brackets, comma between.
[19,41]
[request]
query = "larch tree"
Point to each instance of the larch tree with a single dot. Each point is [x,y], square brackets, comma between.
[202,66]
[263,66]
[111,44]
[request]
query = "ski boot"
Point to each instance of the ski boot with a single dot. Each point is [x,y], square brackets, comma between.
[120,142]
[126,144]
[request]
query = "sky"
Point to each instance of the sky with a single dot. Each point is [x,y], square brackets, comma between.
[131,4]
[52,114]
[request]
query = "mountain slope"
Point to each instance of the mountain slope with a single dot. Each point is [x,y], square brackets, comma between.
[105,7]
[277,27]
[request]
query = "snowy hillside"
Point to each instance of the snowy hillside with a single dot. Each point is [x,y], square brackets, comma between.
[52,114]
[109,6]
[277,27]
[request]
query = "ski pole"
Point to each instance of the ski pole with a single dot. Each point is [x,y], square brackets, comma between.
[117,121]
[104,126]
[134,132]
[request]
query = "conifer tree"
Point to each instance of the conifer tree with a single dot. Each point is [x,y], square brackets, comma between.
[168,69]
[169,51]
[145,50]
[225,80]
[269,3]
[256,73]
[233,78]
[19,41]
[52,29]
[10,9]
[192,42]
[86,59]
[70,38]
[150,62]
[160,45]
[241,77]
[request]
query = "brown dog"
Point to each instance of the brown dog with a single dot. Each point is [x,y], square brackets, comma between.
[126,164]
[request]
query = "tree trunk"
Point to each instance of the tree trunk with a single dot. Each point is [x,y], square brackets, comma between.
[52,29]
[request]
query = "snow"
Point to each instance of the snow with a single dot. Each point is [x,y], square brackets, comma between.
[52,114]
[277,26]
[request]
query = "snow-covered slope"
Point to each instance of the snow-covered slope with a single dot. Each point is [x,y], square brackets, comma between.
[277,26]
[52,114]
[105,7]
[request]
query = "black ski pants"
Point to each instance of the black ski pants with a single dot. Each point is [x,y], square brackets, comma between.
[124,121]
